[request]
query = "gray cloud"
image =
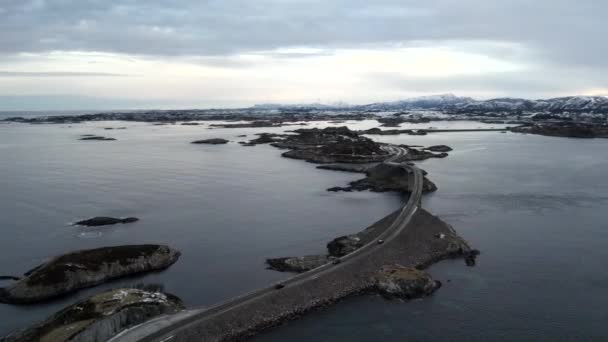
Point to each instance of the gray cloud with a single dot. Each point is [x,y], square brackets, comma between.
[561,30]
[563,41]
[58,74]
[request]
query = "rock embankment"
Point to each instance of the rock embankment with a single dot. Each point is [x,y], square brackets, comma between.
[105,221]
[101,317]
[298,264]
[86,268]
[336,248]
[416,246]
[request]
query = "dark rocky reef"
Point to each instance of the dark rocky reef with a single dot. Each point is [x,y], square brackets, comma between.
[96,138]
[101,317]
[470,257]
[70,272]
[104,221]
[214,141]
[386,177]
[565,129]
[396,281]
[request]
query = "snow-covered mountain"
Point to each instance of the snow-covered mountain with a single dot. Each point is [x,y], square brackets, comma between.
[456,104]
[422,102]
[575,104]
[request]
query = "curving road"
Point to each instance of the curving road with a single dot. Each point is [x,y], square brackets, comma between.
[169,328]
[396,152]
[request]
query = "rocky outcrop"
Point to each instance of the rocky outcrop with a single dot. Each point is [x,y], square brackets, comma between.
[343,245]
[86,268]
[396,281]
[439,148]
[104,221]
[214,141]
[331,145]
[386,177]
[100,317]
[298,264]
[470,257]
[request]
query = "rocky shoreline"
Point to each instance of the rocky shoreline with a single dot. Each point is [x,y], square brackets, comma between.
[567,129]
[100,317]
[385,177]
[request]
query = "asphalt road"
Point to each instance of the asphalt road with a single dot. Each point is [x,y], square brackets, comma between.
[159,331]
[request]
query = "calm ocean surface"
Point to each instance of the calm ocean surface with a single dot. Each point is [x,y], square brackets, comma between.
[535,206]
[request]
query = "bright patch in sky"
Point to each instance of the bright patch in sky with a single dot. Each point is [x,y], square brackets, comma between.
[305,74]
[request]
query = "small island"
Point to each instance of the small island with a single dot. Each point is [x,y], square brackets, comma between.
[76,270]
[215,141]
[105,221]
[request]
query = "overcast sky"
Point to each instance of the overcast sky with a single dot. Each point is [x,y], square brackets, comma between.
[197,53]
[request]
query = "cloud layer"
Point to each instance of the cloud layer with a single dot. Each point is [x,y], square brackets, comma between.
[558,45]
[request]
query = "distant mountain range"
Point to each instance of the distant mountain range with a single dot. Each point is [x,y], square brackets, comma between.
[457,104]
